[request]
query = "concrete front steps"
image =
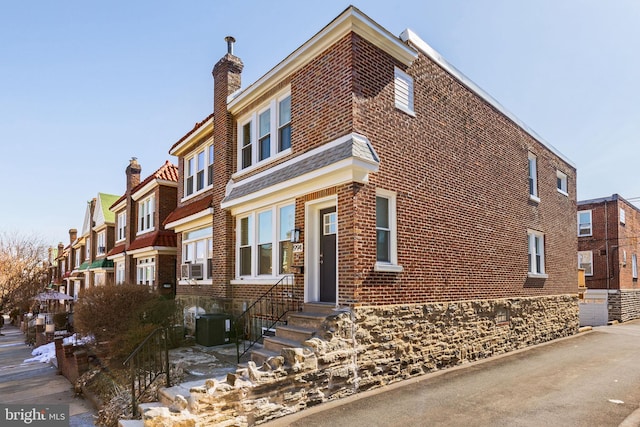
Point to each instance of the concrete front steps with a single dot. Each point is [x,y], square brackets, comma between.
[301,326]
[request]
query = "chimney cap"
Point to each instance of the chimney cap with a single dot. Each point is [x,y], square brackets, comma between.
[230,41]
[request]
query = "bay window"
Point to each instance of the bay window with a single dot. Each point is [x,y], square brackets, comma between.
[146,268]
[264,245]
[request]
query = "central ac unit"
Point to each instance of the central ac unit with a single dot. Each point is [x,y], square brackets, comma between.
[191,271]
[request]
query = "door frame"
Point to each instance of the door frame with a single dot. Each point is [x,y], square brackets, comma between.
[312,247]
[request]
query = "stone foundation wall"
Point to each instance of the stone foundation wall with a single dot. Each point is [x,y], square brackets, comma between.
[369,347]
[624,305]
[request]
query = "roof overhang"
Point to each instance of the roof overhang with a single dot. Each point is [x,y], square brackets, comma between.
[199,133]
[198,219]
[350,158]
[351,20]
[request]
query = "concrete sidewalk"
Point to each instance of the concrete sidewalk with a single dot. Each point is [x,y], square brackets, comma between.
[36,382]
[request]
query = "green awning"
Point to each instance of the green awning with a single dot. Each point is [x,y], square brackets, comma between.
[84,265]
[101,263]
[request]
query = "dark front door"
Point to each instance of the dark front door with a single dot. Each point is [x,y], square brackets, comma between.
[328,231]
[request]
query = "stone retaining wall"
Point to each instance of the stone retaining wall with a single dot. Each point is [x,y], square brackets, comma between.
[369,347]
[624,305]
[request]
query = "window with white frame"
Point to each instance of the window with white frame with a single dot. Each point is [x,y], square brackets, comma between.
[584,223]
[198,171]
[623,217]
[210,159]
[146,211]
[264,245]
[102,244]
[146,271]
[122,226]
[535,241]
[533,176]
[585,261]
[99,279]
[77,258]
[561,179]
[119,267]
[265,133]
[386,231]
[197,248]
[403,91]
[87,249]
[634,266]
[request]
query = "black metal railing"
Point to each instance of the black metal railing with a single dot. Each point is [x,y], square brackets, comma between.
[264,314]
[147,362]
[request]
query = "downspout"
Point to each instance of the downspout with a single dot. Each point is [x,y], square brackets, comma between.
[606,243]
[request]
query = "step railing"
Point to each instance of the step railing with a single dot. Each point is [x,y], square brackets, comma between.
[264,314]
[147,362]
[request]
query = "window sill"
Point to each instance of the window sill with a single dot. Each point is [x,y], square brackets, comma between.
[194,282]
[534,198]
[390,268]
[564,193]
[406,110]
[197,193]
[537,276]
[261,163]
[249,280]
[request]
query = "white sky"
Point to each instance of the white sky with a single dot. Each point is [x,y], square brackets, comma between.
[84,86]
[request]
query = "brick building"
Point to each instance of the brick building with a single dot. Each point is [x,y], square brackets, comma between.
[608,248]
[381,178]
[144,252]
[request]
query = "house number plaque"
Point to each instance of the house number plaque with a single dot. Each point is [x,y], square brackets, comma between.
[297,248]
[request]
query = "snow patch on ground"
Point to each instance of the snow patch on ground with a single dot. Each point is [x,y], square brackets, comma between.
[47,353]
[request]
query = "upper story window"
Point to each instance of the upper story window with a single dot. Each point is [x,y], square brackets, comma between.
[122,226]
[561,179]
[77,258]
[634,266]
[623,217]
[264,242]
[533,177]
[403,91]
[198,171]
[87,249]
[146,210]
[265,133]
[584,223]
[535,242]
[102,243]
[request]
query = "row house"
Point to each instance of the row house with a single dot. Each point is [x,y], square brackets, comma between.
[192,220]
[383,180]
[90,264]
[145,252]
[608,249]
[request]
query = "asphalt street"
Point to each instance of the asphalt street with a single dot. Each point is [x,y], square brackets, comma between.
[592,379]
[36,382]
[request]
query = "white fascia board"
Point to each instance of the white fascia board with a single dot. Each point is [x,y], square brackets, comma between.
[117,257]
[144,191]
[152,250]
[412,37]
[350,20]
[184,145]
[198,218]
[119,206]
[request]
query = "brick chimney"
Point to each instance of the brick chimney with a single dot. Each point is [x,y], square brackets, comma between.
[73,235]
[133,174]
[226,80]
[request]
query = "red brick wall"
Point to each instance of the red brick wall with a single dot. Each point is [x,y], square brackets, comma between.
[166,201]
[609,234]
[460,172]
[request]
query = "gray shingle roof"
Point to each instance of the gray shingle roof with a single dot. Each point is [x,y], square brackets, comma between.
[354,147]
